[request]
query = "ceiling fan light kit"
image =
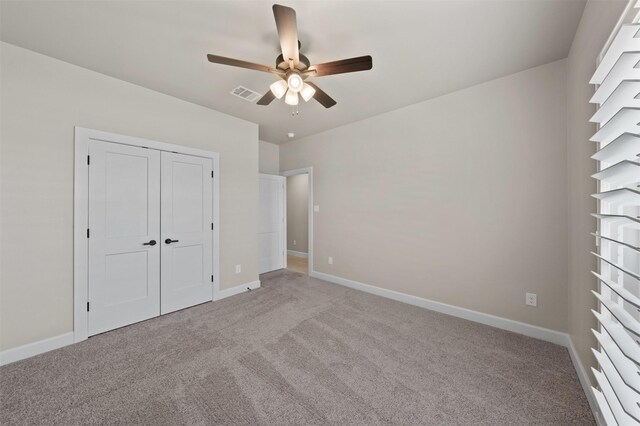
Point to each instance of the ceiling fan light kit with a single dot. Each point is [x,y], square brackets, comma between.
[307,92]
[279,88]
[294,81]
[293,68]
[291,98]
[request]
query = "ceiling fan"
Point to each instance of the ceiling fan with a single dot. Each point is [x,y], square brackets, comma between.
[293,68]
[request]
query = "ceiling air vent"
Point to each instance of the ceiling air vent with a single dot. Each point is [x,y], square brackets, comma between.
[246,94]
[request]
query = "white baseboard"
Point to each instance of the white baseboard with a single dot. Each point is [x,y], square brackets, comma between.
[228,292]
[26,351]
[557,337]
[584,381]
[541,333]
[35,348]
[56,342]
[297,253]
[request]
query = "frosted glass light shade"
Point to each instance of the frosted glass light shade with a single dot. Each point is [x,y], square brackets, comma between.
[307,92]
[291,98]
[295,82]
[279,88]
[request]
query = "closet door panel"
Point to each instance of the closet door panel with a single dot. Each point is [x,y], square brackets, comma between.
[187,237]
[124,229]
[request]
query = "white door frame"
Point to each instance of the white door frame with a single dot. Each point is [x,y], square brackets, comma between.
[81,212]
[284,214]
[308,171]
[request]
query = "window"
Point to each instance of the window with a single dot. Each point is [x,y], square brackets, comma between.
[617,81]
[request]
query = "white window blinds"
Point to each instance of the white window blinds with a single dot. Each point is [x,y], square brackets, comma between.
[617,81]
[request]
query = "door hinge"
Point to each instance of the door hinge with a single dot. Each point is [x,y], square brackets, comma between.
[212,226]
[88,160]
[212,174]
[211,278]
[87,306]
[87,232]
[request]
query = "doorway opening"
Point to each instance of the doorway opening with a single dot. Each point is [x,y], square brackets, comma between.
[299,223]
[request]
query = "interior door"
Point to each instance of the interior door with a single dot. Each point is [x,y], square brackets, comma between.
[124,231]
[187,236]
[271,227]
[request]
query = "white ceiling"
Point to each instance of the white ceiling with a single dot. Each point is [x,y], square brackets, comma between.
[420,49]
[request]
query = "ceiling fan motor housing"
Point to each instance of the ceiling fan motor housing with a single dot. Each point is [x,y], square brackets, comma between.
[303,64]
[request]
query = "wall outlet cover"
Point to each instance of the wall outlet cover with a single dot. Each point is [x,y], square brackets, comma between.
[330,260]
[316,208]
[531,299]
[238,269]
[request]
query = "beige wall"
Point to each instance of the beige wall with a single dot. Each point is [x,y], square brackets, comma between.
[268,158]
[298,213]
[598,20]
[42,100]
[460,199]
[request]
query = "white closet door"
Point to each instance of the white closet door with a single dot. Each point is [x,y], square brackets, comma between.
[187,237]
[271,234]
[124,215]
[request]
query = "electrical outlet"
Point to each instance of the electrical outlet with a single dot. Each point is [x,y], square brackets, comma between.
[294,242]
[316,208]
[330,260]
[531,299]
[238,269]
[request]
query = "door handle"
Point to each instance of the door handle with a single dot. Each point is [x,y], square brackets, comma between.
[150,243]
[169,241]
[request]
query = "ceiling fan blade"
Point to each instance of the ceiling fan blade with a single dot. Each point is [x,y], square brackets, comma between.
[320,96]
[361,63]
[242,64]
[267,98]
[288,32]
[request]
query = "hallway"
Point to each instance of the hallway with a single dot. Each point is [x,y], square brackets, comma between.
[298,264]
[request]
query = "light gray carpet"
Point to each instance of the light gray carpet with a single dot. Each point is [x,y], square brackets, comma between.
[298,351]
